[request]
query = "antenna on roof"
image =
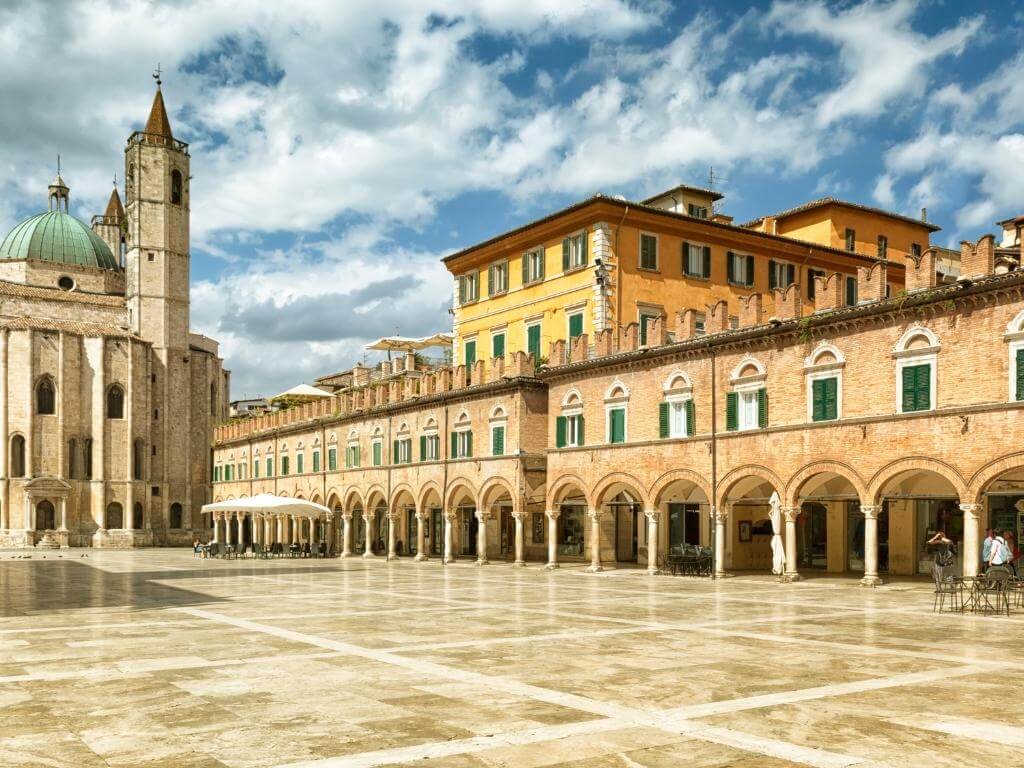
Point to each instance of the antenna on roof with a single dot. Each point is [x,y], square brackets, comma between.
[711,186]
[156,75]
[58,164]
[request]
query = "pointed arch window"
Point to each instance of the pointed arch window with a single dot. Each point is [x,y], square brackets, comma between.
[176,184]
[46,397]
[115,402]
[72,458]
[137,515]
[176,516]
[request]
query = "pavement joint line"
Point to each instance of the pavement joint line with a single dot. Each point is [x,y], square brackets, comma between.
[713,734]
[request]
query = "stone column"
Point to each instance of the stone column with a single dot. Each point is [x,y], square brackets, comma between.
[520,518]
[422,519]
[216,528]
[652,541]
[297,529]
[595,540]
[449,538]
[791,514]
[28,513]
[346,534]
[240,521]
[721,524]
[63,514]
[870,545]
[971,544]
[552,538]
[280,529]
[482,517]
[392,535]
[369,523]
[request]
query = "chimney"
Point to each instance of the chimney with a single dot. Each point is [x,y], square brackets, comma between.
[360,375]
[871,282]
[716,319]
[920,272]
[751,310]
[787,302]
[924,215]
[410,361]
[828,292]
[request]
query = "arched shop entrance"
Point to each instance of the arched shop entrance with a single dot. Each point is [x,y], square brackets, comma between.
[918,503]
[1003,500]
[830,525]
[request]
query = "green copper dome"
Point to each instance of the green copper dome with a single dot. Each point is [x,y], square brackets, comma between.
[59,237]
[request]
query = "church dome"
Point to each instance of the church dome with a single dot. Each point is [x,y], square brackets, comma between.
[59,237]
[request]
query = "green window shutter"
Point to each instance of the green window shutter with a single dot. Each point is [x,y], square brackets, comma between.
[526,269]
[923,400]
[256,468]
[818,400]
[732,411]
[617,425]
[772,281]
[691,419]
[479,282]
[533,341]
[831,399]
[270,467]
[750,270]
[469,444]
[707,262]
[1020,374]
[423,447]
[684,250]
[332,459]
[580,439]
[498,345]
[729,271]
[455,445]
[395,453]
[498,441]
[462,290]
[560,431]
[762,408]
[575,326]
[299,461]
[470,352]
[909,391]
[663,418]
[359,455]
[565,254]
[643,329]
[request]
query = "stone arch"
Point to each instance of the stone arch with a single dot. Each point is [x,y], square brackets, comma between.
[333,499]
[398,490]
[572,397]
[429,487]
[1016,325]
[887,473]
[315,497]
[825,348]
[459,489]
[488,492]
[353,499]
[663,483]
[746,362]
[915,331]
[614,480]
[676,381]
[805,473]
[617,390]
[990,472]
[733,477]
[558,487]
[373,493]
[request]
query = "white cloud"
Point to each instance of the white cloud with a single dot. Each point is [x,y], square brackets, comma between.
[883,191]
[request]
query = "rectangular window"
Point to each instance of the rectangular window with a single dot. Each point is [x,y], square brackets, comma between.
[470,351]
[402,450]
[378,451]
[256,468]
[569,431]
[430,447]
[746,410]
[469,287]
[645,320]
[533,340]
[811,274]
[697,260]
[851,291]
[739,269]
[915,250]
[300,461]
[284,465]
[700,323]
[270,467]
[332,459]
[1020,373]
[697,211]
[497,278]
[883,246]
[917,383]
[780,274]
[316,461]
[648,251]
[617,425]
[575,325]
[497,441]
[498,344]
[533,266]
[574,251]
[851,240]
[352,457]
[675,419]
[824,399]
[462,444]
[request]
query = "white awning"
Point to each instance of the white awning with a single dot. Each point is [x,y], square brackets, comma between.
[268,503]
[406,343]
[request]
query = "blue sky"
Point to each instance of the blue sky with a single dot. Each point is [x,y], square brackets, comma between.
[340,150]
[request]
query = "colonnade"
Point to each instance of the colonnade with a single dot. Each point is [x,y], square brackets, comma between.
[268,528]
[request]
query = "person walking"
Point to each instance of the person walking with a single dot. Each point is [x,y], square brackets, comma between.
[986,547]
[1000,553]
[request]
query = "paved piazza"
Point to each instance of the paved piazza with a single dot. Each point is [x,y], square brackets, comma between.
[154,658]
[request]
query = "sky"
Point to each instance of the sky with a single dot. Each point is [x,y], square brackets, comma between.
[340,150]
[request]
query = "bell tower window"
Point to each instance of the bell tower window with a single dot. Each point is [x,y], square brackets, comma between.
[175,187]
[46,400]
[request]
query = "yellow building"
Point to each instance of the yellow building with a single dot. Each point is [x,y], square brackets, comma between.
[605,262]
[851,227]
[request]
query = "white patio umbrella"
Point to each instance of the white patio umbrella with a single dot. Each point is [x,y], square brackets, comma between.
[778,550]
[268,503]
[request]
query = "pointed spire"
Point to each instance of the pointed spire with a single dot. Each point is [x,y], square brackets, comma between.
[114,208]
[158,123]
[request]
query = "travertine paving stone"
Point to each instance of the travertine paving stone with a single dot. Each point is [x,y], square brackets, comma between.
[155,658]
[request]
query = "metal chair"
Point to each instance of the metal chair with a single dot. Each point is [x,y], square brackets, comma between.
[994,590]
[947,586]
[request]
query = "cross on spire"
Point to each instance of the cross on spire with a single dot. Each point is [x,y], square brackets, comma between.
[58,164]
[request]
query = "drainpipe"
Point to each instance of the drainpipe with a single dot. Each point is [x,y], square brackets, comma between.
[618,274]
[714,456]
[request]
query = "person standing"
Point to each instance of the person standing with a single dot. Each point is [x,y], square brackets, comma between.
[986,547]
[1000,552]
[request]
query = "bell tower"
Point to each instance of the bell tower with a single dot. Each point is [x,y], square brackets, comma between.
[157,294]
